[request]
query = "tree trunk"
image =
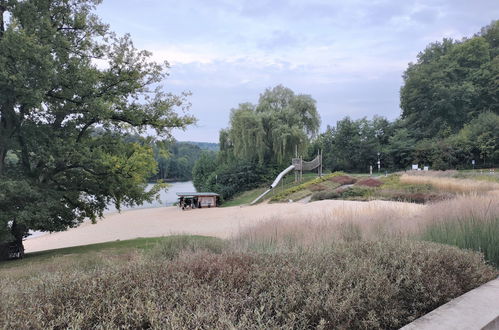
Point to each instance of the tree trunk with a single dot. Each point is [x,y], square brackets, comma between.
[2,10]
[3,153]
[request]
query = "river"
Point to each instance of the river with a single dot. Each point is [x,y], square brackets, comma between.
[167,198]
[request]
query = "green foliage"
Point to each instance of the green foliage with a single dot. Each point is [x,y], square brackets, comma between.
[270,132]
[56,168]
[450,114]
[175,160]
[260,139]
[284,195]
[451,83]
[205,145]
[203,169]
[351,193]
[472,234]
[353,145]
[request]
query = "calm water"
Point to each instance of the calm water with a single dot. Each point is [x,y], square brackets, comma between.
[167,198]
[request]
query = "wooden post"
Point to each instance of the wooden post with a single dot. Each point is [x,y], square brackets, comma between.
[320,163]
[301,168]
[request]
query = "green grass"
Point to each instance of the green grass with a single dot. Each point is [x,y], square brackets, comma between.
[114,248]
[472,234]
[247,197]
[244,197]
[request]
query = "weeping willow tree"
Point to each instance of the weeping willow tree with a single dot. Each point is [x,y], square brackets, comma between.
[270,132]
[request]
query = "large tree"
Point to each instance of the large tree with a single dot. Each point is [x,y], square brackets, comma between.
[63,73]
[451,83]
[270,132]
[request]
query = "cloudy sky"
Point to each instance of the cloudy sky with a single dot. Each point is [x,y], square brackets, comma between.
[348,55]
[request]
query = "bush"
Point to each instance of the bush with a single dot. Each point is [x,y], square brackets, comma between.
[374,285]
[369,182]
[344,179]
[355,192]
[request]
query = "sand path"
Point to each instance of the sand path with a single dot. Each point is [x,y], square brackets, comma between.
[219,222]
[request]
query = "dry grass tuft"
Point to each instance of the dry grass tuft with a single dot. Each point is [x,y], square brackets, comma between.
[450,184]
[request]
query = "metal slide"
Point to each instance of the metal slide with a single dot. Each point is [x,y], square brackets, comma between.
[274,184]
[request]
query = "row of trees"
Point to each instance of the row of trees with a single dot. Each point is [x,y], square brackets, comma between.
[450,110]
[354,145]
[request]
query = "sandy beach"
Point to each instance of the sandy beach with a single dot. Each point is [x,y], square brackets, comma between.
[219,222]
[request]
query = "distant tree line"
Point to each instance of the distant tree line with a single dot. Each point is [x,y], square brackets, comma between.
[176,159]
[450,116]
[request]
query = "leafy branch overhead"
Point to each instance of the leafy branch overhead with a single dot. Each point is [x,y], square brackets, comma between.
[63,74]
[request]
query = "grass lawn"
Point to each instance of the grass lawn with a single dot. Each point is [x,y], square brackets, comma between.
[244,197]
[108,248]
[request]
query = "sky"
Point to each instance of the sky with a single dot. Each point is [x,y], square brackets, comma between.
[348,55]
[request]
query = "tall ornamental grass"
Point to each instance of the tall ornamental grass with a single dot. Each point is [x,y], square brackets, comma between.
[470,233]
[467,222]
[450,184]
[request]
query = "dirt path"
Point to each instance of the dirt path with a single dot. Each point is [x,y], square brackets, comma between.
[219,222]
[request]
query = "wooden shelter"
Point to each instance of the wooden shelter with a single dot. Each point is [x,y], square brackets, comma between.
[198,199]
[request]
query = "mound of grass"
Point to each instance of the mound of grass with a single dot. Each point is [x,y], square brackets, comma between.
[284,195]
[350,193]
[374,285]
[344,179]
[369,182]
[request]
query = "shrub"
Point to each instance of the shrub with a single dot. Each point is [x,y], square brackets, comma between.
[450,184]
[317,187]
[322,195]
[369,182]
[375,285]
[285,194]
[346,193]
[343,179]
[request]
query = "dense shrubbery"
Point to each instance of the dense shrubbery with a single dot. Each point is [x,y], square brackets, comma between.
[375,285]
[229,179]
